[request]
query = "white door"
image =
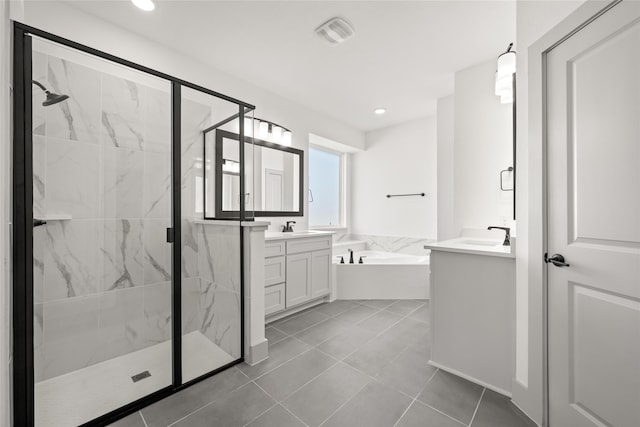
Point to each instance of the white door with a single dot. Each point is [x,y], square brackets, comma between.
[274,182]
[593,118]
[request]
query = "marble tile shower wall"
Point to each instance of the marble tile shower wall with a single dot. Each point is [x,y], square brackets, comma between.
[102,280]
[402,245]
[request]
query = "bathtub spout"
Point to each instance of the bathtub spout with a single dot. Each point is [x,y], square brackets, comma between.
[350,256]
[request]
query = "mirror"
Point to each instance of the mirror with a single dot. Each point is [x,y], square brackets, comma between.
[273,185]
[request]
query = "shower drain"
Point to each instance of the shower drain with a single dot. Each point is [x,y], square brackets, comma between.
[140,376]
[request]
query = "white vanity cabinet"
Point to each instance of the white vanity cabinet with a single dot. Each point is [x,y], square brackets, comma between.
[297,272]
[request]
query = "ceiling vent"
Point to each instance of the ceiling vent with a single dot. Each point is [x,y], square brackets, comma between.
[335,31]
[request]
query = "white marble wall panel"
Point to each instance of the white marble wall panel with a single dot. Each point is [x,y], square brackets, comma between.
[190,248]
[73,258]
[70,338]
[123,252]
[39,248]
[191,315]
[73,179]
[403,245]
[157,185]
[39,176]
[38,347]
[123,184]
[157,252]
[157,119]
[221,317]
[157,313]
[219,255]
[122,322]
[122,114]
[78,118]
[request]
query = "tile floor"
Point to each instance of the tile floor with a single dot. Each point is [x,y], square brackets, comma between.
[346,364]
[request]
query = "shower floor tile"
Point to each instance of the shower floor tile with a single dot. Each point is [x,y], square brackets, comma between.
[79,396]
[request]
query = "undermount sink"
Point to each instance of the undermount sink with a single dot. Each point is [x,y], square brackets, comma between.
[480,243]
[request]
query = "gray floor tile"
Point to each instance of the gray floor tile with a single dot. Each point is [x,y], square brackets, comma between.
[286,379]
[376,405]
[236,409]
[409,332]
[179,405]
[422,314]
[419,415]
[452,395]
[320,398]
[348,341]
[409,372]
[279,353]
[377,303]
[496,410]
[276,417]
[300,322]
[374,355]
[133,420]
[404,307]
[322,331]
[274,335]
[379,321]
[336,307]
[357,314]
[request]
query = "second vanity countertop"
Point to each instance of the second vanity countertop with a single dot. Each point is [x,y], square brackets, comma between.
[279,235]
[475,246]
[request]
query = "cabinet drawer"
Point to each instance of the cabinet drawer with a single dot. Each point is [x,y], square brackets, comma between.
[274,270]
[274,248]
[296,246]
[274,299]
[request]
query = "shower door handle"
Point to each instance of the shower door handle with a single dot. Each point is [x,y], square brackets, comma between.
[38,222]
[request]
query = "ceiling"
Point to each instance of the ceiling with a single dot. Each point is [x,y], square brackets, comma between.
[403,55]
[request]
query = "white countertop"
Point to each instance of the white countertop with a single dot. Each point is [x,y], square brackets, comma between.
[474,246]
[231,222]
[279,235]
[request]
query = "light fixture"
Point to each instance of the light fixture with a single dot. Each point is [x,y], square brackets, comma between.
[504,75]
[380,111]
[146,5]
[335,31]
[271,132]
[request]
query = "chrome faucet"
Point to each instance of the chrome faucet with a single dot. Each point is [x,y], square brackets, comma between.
[507,237]
[288,228]
[350,256]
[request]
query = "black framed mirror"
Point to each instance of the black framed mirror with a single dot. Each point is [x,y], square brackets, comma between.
[274,184]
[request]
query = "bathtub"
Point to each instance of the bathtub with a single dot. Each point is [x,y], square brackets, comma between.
[383,275]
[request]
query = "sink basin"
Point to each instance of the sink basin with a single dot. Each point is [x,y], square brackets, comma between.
[480,243]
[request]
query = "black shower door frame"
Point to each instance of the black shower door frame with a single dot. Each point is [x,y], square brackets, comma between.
[22,258]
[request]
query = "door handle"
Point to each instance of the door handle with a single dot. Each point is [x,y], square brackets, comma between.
[557,260]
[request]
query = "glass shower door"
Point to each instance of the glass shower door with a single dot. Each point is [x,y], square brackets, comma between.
[101,207]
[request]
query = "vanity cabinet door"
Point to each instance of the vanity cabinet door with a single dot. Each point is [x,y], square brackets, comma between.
[320,273]
[298,279]
[274,297]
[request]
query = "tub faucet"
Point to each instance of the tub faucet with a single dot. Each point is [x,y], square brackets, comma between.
[288,228]
[350,256]
[507,237]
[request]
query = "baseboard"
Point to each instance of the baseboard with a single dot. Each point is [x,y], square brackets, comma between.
[470,378]
[257,353]
[297,309]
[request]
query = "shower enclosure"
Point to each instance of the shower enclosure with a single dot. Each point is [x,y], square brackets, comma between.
[123,294]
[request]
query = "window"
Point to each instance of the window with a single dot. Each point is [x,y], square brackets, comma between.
[325,188]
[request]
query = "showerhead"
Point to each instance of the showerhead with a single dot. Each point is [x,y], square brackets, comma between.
[52,98]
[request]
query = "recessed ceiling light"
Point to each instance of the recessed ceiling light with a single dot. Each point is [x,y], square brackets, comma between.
[146,5]
[379,111]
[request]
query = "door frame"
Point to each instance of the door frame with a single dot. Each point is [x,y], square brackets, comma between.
[537,270]
[23,381]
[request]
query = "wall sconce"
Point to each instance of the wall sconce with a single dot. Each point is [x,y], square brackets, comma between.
[504,75]
[272,132]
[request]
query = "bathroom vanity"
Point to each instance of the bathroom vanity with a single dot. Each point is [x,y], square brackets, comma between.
[473,310]
[297,270]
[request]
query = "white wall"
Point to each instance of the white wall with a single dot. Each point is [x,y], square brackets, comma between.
[533,19]
[483,139]
[5,209]
[61,19]
[446,224]
[398,159]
